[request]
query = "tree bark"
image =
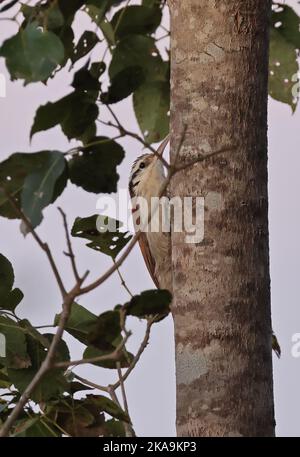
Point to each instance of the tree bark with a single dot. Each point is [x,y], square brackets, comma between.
[221,286]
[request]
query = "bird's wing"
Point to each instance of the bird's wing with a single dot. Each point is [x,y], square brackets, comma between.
[143,242]
[148,258]
[145,250]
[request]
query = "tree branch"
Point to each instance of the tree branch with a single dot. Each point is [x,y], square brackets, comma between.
[91,384]
[69,244]
[115,355]
[124,132]
[205,157]
[128,427]
[123,283]
[125,403]
[77,149]
[43,246]
[137,357]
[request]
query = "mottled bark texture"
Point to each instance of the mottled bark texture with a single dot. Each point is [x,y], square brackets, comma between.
[221,286]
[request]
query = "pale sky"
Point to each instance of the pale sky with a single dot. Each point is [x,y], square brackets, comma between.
[151,387]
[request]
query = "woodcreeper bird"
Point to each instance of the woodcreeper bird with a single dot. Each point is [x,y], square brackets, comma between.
[146,179]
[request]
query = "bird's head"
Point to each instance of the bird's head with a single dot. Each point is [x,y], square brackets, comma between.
[140,170]
[146,171]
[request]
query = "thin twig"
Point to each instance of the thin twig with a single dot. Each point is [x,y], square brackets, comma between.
[167,35]
[123,283]
[125,403]
[164,28]
[82,147]
[179,147]
[205,157]
[113,395]
[115,355]
[124,132]
[43,246]
[128,427]
[137,357]
[113,268]
[91,383]
[69,244]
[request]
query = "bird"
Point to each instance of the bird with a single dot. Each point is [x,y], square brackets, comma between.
[146,179]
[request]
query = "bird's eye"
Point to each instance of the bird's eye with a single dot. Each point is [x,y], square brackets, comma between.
[142,165]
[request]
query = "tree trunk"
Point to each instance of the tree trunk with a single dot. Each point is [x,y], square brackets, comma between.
[221,286]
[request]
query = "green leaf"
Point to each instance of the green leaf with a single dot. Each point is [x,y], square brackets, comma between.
[65,112]
[125,358]
[97,69]
[97,14]
[15,345]
[47,14]
[153,121]
[286,21]
[85,417]
[149,302]
[34,333]
[80,322]
[95,170]
[105,336]
[283,80]
[54,17]
[114,428]
[13,174]
[108,32]
[136,19]
[9,299]
[35,427]
[79,421]
[12,300]
[50,386]
[85,80]
[4,381]
[39,186]
[106,331]
[123,84]
[106,405]
[139,51]
[152,3]
[32,54]
[69,8]
[96,10]
[78,387]
[6,276]
[86,43]
[66,35]
[101,7]
[103,232]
